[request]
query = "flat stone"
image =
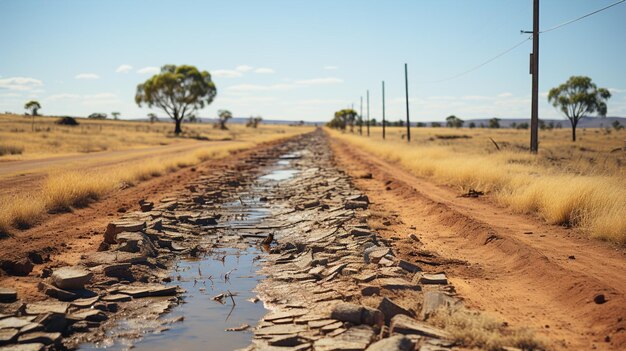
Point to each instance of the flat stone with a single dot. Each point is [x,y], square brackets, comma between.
[352,205]
[331,327]
[71,278]
[52,321]
[337,268]
[375,253]
[433,300]
[8,335]
[366,277]
[31,327]
[355,338]
[40,337]
[116,298]
[280,329]
[135,292]
[24,347]
[408,266]
[108,257]
[396,284]
[370,290]
[390,309]
[429,278]
[401,324]
[357,314]
[8,295]
[15,322]
[321,323]
[285,314]
[287,341]
[19,267]
[393,343]
[55,292]
[135,242]
[91,315]
[114,228]
[45,307]
[86,302]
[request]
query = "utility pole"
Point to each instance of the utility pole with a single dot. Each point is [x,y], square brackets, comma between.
[361,118]
[406,85]
[368,113]
[534,70]
[384,110]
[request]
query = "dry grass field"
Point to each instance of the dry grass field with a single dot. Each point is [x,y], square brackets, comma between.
[580,184]
[121,153]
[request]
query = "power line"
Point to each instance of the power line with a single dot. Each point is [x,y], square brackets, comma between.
[485,62]
[581,17]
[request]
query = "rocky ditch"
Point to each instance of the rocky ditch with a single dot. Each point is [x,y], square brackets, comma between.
[285,222]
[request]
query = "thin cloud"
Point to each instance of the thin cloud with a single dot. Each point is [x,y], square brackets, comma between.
[330,68]
[477,97]
[148,70]
[226,73]
[505,95]
[87,76]
[319,81]
[617,91]
[124,69]
[244,68]
[256,87]
[264,70]
[20,83]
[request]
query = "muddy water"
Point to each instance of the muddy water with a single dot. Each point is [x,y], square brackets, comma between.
[219,285]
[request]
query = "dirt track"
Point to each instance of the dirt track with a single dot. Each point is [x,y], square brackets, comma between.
[528,273]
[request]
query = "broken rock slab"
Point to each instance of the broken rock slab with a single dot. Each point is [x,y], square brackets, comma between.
[357,314]
[114,228]
[71,278]
[401,324]
[390,309]
[393,343]
[433,300]
[56,293]
[19,267]
[8,295]
[430,278]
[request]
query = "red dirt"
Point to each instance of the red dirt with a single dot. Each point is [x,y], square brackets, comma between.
[511,266]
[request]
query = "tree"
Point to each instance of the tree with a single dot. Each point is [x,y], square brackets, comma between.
[472,125]
[222,117]
[343,119]
[494,123]
[97,115]
[153,117]
[617,125]
[192,118]
[33,106]
[420,125]
[373,122]
[253,122]
[577,98]
[435,124]
[454,122]
[178,90]
[116,115]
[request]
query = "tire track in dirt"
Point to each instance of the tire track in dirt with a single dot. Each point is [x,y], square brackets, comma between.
[546,279]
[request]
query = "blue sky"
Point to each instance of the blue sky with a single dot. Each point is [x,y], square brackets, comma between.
[306,59]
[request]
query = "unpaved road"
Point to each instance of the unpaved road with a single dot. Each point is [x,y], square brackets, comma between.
[23,175]
[333,247]
[511,265]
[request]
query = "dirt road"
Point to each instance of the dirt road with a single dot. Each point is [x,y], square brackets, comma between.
[28,174]
[514,266]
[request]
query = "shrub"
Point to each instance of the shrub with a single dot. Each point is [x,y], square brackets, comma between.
[67,121]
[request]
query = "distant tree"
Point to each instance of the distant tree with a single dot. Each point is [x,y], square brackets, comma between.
[253,122]
[494,123]
[67,121]
[153,117]
[420,125]
[522,126]
[343,119]
[178,90]
[542,125]
[116,115]
[400,123]
[97,115]
[192,118]
[617,125]
[577,98]
[222,117]
[33,106]
[482,125]
[373,122]
[454,122]
[472,125]
[514,125]
[435,125]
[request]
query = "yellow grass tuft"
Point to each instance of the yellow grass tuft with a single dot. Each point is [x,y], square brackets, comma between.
[473,329]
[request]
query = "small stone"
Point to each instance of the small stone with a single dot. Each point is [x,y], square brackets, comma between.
[15,322]
[116,298]
[71,278]
[146,206]
[45,307]
[24,347]
[114,228]
[408,266]
[8,335]
[414,237]
[370,290]
[599,299]
[428,278]
[52,321]
[19,267]
[356,314]
[432,301]
[8,295]
[353,205]
[396,284]
[90,315]
[392,343]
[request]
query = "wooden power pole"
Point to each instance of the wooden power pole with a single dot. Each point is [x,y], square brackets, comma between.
[368,113]
[406,88]
[384,110]
[534,70]
[361,118]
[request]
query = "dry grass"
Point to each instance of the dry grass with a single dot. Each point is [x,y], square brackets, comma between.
[68,187]
[565,184]
[8,149]
[473,329]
